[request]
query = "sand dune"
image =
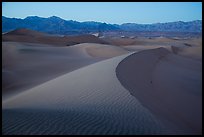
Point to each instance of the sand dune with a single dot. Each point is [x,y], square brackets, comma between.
[194,52]
[89,100]
[30,36]
[26,65]
[192,48]
[161,41]
[169,85]
[121,41]
[137,48]
[26,32]
[101,50]
[50,87]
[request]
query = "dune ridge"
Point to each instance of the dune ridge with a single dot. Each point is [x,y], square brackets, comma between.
[26,65]
[93,99]
[169,85]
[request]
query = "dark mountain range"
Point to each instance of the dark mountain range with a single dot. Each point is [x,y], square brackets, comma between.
[180,26]
[56,25]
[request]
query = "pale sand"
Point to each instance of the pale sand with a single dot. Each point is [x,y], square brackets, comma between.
[194,52]
[170,86]
[102,50]
[153,41]
[89,100]
[120,41]
[192,49]
[145,47]
[25,65]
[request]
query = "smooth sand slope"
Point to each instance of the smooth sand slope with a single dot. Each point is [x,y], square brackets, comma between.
[169,85]
[25,65]
[89,100]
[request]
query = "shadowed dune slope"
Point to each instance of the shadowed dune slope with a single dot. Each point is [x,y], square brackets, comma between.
[167,84]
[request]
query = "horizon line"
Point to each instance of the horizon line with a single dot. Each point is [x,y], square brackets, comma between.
[101,22]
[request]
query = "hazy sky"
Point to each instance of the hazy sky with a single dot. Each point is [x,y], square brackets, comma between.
[109,12]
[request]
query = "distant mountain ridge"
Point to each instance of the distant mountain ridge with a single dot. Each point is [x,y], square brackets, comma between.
[56,25]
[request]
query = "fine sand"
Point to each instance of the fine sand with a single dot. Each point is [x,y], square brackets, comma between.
[85,85]
[169,85]
[25,65]
[89,100]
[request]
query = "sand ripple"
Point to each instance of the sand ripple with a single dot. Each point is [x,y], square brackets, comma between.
[87,101]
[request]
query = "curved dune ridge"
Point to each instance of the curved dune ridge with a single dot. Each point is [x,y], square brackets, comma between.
[26,65]
[89,100]
[169,85]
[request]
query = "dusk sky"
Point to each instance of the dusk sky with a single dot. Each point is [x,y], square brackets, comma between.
[109,12]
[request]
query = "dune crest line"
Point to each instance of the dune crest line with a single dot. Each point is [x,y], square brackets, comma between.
[102,107]
[169,85]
